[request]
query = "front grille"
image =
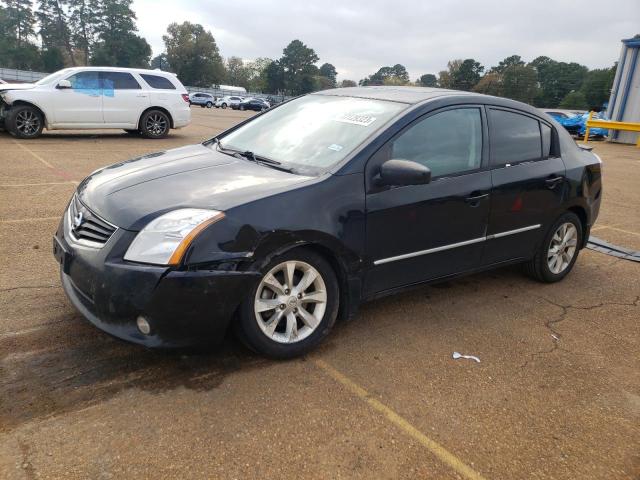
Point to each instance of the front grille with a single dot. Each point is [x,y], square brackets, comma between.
[86,225]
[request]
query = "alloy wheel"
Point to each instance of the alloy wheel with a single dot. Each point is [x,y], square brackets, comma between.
[290,301]
[562,248]
[27,123]
[156,124]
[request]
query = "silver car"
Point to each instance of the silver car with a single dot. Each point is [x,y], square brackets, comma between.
[202,99]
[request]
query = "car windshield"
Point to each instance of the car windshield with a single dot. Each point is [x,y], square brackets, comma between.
[313,132]
[50,78]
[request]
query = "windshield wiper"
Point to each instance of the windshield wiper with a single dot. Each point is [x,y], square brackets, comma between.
[251,156]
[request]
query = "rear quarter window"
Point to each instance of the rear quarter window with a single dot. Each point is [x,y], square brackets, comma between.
[156,81]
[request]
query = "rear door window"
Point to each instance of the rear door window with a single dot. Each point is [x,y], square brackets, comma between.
[514,138]
[546,140]
[119,81]
[158,82]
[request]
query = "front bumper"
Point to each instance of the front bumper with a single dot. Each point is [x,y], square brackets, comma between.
[184,308]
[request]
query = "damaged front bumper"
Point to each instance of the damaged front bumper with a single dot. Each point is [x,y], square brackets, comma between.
[182,308]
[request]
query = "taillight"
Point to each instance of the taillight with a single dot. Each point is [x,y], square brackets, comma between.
[185,97]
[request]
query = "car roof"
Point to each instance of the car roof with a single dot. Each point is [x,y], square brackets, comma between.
[410,95]
[120,69]
[417,95]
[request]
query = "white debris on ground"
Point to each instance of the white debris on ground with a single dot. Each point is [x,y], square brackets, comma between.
[457,355]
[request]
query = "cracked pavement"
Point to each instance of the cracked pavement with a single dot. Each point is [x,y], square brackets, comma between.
[556,395]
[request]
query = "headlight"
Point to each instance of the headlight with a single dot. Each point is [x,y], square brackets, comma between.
[164,240]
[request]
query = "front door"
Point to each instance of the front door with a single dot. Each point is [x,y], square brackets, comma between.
[422,232]
[123,99]
[528,184]
[81,104]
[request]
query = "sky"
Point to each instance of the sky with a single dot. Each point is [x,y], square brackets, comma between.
[360,36]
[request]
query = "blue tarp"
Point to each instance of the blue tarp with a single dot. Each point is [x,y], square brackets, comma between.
[578,123]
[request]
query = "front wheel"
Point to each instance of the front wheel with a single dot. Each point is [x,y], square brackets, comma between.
[25,121]
[224,105]
[209,104]
[293,307]
[559,251]
[155,124]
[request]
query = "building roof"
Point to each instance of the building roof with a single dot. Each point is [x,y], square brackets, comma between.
[410,95]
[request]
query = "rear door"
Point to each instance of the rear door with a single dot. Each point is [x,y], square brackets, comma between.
[124,100]
[528,177]
[80,105]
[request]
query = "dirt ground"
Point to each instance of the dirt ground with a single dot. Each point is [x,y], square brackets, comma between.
[556,395]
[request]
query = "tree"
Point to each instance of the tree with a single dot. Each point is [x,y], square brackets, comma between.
[489,84]
[20,20]
[161,62]
[445,77]
[348,83]
[273,77]
[520,82]
[237,73]
[396,75]
[467,75]
[255,70]
[118,45]
[193,54]
[54,28]
[428,80]
[574,100]
[556,80]
[83,24]
[297,63]
[52,59]
[512,61]
[328,71]
[596,87]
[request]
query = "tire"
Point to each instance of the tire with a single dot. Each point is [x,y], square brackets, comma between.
[224,105]
[132,132]
[242,107]
[291,333]
[202,106]
[155,124]
[549,268]
[209,104]
[25,121]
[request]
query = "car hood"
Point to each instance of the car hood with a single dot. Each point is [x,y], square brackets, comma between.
[15,86]
[131,193]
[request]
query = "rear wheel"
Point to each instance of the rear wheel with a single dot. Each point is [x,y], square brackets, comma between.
[25,121]
[559,251]
[209,104]
[155,124]
[224,105]
[241,107]
[293,307]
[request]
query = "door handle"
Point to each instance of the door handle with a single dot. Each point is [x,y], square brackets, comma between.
[552,182]
[142,95]
[474,200]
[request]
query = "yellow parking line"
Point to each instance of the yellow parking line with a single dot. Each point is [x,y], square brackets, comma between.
[435,448]
[27,220]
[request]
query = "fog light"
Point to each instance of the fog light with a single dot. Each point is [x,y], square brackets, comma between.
[143,325]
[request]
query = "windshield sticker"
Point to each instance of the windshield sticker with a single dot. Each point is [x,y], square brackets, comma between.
[356,119]
[335,147]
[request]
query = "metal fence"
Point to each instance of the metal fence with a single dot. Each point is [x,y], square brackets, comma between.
[26,76]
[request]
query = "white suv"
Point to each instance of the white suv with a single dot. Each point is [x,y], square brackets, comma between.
[145,102]
[227,101]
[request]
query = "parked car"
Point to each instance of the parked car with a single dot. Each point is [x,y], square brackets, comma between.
[202,99]
[256,104]
[2,81]
[228,101]
[146,102]
[276,229]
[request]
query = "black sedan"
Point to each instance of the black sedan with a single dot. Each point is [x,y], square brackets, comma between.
[292,218]
[255,104]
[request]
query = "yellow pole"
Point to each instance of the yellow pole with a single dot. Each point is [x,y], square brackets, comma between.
[586,132]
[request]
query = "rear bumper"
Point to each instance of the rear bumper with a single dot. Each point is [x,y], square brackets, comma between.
[182,118]
[183,308]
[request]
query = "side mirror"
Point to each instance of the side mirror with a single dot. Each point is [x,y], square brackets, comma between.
[62,84]
[403,172]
